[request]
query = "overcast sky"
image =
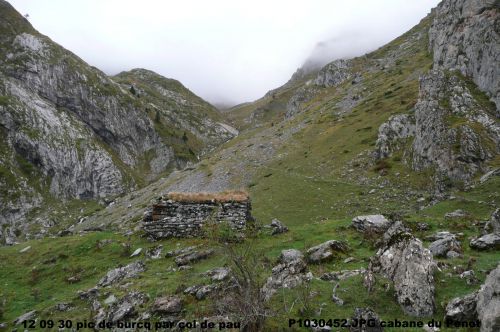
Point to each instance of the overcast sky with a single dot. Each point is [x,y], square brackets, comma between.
[223,50]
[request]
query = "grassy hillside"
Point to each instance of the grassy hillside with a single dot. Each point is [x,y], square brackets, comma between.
[314,172]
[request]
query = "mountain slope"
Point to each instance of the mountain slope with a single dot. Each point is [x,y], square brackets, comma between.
[69,131]
[390,133]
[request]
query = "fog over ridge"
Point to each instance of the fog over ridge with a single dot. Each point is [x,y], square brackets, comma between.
[225,51]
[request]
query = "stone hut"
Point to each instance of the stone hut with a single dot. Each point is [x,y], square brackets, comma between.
[184,214]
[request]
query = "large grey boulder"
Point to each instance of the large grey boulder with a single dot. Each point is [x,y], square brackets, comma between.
[116,275]
[488,241]
[462,309]
[404,260]
[442,246]
[291,271]
[325,251]
[371,223]
[167,305]
[488,302]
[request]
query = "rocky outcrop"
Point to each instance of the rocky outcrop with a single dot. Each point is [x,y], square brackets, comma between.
[375,223]
[325,251]
[193,256]
[290,272]
[131,270]
[334,73]
[410,266]
[365,320]
[464,36]
[488,302]
[453,131]
[303,95]
[124,309]
[393,133]
[69,131]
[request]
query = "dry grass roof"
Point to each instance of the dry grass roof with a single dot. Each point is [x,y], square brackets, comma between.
[201,197]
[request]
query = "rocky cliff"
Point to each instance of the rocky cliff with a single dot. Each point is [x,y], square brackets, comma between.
[69,131]
[465,36]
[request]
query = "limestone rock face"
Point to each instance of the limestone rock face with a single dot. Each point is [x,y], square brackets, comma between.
[458,151]
[69,131]
[488,302]
[396,129]
[410,266]
[334,73]
[464,36]
[290,272]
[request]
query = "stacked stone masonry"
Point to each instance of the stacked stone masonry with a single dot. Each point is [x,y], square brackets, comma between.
[186,219]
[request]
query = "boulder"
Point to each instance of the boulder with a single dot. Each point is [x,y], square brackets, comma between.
[493,225]
[462,309]
[63,307]
[126,307]
[201,291]
[455,214]
[367,315]
[410,266]
[441,247]
[24,317]
[167,305]
[154,252]
[325,251]
[181,251]
[488,241]
[194,256]
[136,252]
[341,275]
[278,227]
[116,275]
[488,302]
[371,223]
[290,272]
[218,274]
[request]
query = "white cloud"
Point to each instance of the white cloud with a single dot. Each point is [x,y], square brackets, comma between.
[221,49]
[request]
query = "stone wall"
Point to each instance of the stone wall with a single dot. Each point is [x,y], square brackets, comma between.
[186,219]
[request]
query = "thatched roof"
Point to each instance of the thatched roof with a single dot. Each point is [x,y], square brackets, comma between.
[201,197]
